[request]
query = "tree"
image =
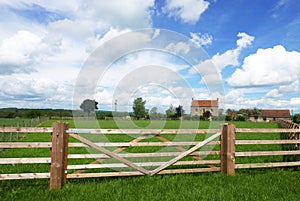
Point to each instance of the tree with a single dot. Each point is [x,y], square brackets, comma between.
[154,114]
[89,106]
[256,113]
[231,113]
[170,112]
[206,115]
[139,110]
[179,111]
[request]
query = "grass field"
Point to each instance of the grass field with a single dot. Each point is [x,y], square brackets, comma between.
[249,184]
[18,122]
[173,124]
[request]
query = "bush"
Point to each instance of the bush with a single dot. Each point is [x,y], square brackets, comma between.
[296,118]
[228,118]
[218,118]
[241,118]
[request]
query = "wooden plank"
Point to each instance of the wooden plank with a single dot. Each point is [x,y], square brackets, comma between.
[267,165]
[99,160]
[136,173]
[25,144]
[142,131]
[25,176]
[192,170]
[109,153]
[240,142]
[139,155]
[178,131]
[228,149]
[265,130]
[141,144]
[180,148]
[57,168]
[266,153]
[65,152]
[104,174]
[25,130]
[105,144]
[24,160]
[172,161]
[143,164]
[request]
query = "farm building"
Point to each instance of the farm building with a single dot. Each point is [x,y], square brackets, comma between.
[199,107]
[272,115]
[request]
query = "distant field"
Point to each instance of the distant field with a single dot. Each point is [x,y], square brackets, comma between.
[169,124]
[248,184]
[18,122]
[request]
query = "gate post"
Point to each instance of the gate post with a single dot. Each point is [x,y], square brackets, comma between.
[228,149]
[59,155]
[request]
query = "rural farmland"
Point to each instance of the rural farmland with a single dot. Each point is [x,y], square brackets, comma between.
[150,100]
[261,183]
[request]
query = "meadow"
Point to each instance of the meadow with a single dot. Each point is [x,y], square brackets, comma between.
[247,184]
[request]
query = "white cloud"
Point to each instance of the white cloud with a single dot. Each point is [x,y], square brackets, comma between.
[31,91]
[201,39]
[189,11]
[20,52]
[230,57]
[128,64]
[211,69]
[51,51]
[122,14]
[268,67]
[295,102]
[290,88]
[244,41]
[274,93]
[180,47]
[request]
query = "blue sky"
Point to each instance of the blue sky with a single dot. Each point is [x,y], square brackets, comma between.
[254,46]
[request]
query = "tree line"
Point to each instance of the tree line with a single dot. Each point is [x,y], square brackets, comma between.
[34,113]
[140,111]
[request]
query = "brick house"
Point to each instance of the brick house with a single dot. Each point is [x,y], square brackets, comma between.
[272,115]
[198,107]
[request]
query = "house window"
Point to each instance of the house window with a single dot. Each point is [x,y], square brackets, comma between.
[211,110]
[203,110]
[196,110]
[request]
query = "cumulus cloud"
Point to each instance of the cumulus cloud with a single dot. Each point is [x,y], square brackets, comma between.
[274,93]
[122,14]
[179,47]
[244,41]
[271,66]
[31,91]
[290,88]
[189,11]
[201,39]
[210,69]
[230,57]
[48,50]
[20,52]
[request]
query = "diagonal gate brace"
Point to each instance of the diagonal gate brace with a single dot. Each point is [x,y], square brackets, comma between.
[174,160]
[110,153]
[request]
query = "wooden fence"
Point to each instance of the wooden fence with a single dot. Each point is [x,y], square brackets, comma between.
[222,157]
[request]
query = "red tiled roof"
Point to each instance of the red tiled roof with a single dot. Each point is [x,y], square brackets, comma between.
[204,103]
[276,113]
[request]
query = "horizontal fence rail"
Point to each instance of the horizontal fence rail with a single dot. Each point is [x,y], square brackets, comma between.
[222,158]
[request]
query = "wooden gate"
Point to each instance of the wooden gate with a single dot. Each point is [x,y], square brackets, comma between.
[61,170]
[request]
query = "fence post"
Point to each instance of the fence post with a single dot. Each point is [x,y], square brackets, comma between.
[228,149]
[59,154]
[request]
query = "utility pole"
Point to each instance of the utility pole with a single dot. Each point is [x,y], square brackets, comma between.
[116,104]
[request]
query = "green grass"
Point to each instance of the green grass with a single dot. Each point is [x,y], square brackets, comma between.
[18,122]
[275,184]
[248,184]
[169,124]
